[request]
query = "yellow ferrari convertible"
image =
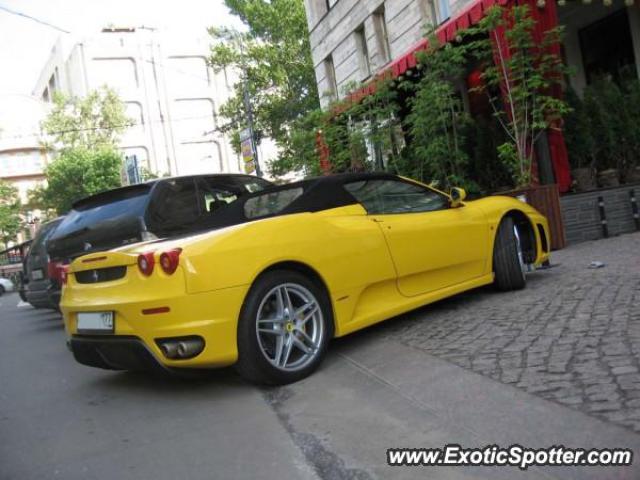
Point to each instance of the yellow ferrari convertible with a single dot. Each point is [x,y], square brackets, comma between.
[270,278]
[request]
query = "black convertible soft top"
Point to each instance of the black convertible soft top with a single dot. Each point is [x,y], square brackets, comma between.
[318,193]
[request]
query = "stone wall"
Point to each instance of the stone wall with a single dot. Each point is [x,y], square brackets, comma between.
[581,215]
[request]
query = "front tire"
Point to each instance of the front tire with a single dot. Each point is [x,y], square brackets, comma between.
[284,328]
[1,290]
[508,258]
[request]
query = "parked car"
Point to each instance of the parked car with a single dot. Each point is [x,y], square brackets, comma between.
[6,285]
[22,286]
[37,283]
[157,209]
[284,270]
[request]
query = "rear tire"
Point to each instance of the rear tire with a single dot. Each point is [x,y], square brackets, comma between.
[508,261]
[1,290]
[284,328]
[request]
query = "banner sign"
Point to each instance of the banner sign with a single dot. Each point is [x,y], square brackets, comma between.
[246,148]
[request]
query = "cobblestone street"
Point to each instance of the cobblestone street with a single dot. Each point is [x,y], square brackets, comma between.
[572,336]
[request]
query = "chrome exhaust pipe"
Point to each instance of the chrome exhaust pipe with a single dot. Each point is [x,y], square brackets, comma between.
[190,347]
[181,347]
[169,349]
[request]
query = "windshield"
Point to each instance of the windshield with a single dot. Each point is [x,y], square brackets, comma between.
[270,203]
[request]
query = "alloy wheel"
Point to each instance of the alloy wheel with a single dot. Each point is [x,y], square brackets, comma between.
[523,266]
[290,327]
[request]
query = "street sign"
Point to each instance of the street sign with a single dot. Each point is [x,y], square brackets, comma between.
[245,134]
[247,150]
[131,169]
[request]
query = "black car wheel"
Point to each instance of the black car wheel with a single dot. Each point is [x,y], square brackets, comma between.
[508,258]
[284,329]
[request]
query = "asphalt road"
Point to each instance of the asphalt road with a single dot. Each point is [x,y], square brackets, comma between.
[59,419]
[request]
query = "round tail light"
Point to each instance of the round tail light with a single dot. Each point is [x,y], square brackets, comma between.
[170,260]
[146,262]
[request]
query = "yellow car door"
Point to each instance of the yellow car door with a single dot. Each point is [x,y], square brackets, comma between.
[432,245]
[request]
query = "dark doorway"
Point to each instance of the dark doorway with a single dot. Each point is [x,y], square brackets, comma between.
[607,48]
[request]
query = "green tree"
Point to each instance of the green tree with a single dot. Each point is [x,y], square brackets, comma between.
[77,173]
[522,78]
[632,105]
[85,132]
[577,132]
[10,221]
[274,57]
[438,123]
[94,121]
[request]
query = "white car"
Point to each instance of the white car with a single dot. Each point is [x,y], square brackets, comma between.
[6,285]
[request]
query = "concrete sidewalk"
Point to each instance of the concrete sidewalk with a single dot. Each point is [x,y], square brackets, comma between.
[374,394]
[62,420]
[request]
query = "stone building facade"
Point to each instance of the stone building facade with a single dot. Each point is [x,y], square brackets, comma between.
[353,40]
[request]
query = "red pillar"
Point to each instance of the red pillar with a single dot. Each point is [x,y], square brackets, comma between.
[547,19]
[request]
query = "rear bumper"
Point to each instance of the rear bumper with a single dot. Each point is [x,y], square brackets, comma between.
[114,353]
[39,298]
[212,316]
[54,298]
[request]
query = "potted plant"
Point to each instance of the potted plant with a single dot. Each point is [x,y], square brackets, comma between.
[631,173]
[580,143]
[604,105]
[523,80]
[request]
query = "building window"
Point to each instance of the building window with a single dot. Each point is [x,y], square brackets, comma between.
[187,73]
[134,112]
[330,74]
[52,84]
[444,11]
[193,118]
[363,52]
[119,73]
[382,38]
[607,48]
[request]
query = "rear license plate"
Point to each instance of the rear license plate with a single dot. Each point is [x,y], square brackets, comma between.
[37,275]
[96,322]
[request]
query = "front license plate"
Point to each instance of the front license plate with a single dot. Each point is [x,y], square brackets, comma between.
[95,322]
[37,275]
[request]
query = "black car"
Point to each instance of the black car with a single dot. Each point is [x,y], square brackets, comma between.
[157,209]
[36,285]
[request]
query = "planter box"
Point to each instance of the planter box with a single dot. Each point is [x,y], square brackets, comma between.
[581,213]
[545,199]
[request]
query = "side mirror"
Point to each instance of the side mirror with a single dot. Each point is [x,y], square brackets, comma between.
[457,197]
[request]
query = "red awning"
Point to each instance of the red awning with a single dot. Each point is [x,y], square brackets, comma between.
[446,33]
